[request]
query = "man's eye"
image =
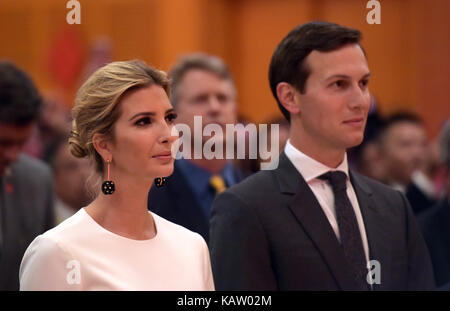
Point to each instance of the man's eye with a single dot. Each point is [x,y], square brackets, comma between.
[201,99]
[339,83]
[222,98]
[171,117]
[143,121]
[364,83]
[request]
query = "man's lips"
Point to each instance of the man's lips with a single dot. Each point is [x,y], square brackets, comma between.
[354,121]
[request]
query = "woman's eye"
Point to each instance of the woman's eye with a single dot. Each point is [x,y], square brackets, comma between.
[171,117]
[143,121]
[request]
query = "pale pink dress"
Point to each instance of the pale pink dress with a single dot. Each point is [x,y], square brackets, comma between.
[79,254]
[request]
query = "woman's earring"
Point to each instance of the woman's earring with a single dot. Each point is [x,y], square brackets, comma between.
[160,181]
[108,185]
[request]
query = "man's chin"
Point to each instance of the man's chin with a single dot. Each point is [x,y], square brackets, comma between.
[355,141]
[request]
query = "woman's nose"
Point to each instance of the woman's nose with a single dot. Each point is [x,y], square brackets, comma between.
[169,134]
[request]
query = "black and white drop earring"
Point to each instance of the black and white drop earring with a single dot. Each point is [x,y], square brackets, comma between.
[160,181]
[108,186]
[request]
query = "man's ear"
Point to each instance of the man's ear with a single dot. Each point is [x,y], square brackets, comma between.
[102,146]
[286,94]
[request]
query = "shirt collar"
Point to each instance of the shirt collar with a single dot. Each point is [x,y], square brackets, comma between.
[307,166]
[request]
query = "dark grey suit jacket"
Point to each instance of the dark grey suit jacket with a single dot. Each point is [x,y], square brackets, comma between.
[26,195]
[435,225]
[270,233]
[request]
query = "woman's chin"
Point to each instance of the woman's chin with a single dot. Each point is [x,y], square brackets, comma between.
[165,172]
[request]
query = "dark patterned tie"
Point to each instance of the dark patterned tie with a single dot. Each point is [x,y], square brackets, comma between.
[350,235]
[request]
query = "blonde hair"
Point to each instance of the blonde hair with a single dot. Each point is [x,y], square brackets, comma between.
[96,103]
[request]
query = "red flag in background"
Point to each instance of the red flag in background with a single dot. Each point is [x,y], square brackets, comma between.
[66,57]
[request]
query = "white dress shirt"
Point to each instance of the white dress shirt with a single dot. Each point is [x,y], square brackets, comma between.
[311,169]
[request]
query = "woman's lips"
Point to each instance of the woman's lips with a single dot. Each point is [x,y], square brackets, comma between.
[163,156]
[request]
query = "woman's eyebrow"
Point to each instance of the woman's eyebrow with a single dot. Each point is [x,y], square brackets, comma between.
[146,113]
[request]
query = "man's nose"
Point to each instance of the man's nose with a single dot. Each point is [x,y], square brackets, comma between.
[214,106]
[418,152]
[359,98]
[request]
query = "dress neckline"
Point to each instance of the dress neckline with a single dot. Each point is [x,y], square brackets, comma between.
[120,237]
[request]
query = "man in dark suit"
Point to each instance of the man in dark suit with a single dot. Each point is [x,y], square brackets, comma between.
[202,86]
[435,222]
[311,223]
[26,191]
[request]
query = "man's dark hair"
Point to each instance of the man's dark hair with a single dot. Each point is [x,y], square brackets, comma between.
[396,118]
[20,102]
[288,60]
[402,116]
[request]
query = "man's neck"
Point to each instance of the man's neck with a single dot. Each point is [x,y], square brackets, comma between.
[328,156]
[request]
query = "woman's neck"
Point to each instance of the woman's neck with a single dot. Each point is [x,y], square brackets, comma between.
[125,212]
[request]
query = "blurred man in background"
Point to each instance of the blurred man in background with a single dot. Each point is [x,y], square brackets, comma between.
[26,191]
[70,179]
[201,86]
[403,148]
[435,222]
[53,122]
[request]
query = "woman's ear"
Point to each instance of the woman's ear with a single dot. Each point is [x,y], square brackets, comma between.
[286,94]
[101,145]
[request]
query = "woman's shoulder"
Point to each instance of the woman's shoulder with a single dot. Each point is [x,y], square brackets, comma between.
[45,265]
[68,228]
[55,239]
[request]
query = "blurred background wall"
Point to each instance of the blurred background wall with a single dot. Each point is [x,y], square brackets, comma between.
[408,52]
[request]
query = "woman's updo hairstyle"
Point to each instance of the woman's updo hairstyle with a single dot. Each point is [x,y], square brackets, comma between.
[96,103]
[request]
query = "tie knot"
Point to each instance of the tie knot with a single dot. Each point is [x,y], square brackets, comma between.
[218,183]
[337,179]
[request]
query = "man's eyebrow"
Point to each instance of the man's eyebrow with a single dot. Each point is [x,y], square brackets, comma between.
[367,75]
[150,113]
[341,76]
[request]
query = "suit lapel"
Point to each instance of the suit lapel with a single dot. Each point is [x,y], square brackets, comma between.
[183,196]
[373,223]
[309,213]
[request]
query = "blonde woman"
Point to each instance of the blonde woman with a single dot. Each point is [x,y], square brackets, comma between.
[122,121]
